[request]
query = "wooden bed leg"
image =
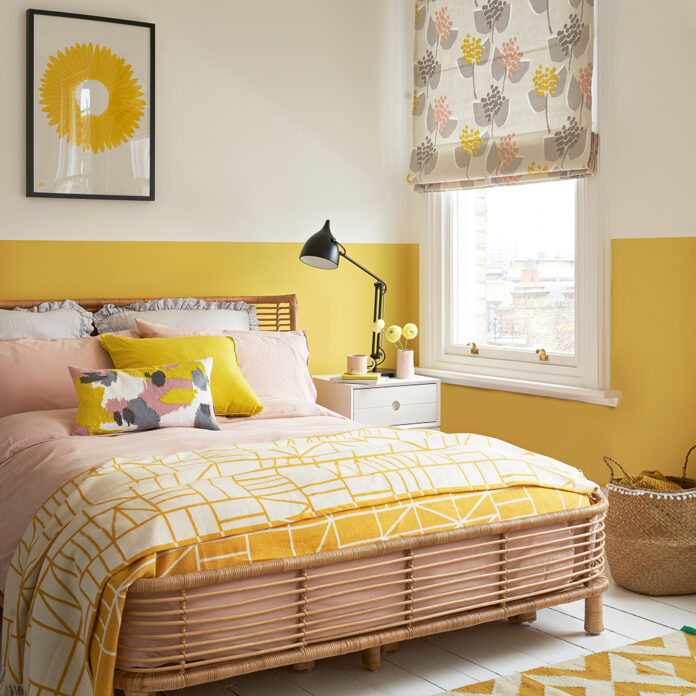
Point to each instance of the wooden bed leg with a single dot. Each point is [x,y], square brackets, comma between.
[304,666]
[390,647]
[594,621]
[527,617]
[372,659]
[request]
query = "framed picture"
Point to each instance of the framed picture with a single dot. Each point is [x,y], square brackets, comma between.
[90,107]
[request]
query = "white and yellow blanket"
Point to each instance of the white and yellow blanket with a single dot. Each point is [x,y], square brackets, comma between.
[114,524]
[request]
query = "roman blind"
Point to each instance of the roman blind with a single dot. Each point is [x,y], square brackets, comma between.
[503,92]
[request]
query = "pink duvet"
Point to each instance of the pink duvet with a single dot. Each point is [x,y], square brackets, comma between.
[38,454]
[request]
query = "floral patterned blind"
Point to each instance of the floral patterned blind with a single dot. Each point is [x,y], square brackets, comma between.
[503,92]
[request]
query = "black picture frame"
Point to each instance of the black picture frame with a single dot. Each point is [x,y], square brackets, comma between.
[32,105]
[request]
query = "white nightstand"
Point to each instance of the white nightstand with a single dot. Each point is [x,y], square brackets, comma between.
[407,403]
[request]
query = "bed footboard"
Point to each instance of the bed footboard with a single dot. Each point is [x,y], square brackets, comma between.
[182,630]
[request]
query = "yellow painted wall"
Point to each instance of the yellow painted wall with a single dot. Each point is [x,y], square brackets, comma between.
[653,362]
[653,330]
[335,307]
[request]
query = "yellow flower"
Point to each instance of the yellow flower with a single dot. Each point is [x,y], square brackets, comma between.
[68,73]
[416,101]
[545,81]
[418,14]
[470,140]
[472,49]
[393,333]
[535,168]
[410,331]
[377,326]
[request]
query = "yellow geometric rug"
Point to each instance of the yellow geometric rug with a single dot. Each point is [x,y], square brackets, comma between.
[664,665]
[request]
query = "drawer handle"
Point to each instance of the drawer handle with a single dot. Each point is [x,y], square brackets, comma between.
[396,405]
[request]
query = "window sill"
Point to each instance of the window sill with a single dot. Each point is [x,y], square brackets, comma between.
[555,391]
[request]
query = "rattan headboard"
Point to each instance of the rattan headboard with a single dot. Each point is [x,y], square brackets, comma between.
[275,312]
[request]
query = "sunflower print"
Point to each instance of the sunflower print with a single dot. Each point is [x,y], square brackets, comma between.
[77,64]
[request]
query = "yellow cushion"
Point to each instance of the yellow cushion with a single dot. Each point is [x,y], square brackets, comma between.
[232,395]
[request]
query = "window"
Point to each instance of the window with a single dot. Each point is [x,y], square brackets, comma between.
[513,270]
[514,285]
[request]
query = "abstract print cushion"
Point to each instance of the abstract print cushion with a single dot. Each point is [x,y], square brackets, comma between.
[144,398]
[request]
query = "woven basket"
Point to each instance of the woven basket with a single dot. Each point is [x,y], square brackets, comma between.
[651,535]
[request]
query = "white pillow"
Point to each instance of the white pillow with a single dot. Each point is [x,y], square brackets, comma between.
[64,319]
[181,313]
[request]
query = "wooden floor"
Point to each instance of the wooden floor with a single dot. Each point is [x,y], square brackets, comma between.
[426,666]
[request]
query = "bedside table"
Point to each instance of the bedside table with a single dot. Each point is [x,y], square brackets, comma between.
[407,403]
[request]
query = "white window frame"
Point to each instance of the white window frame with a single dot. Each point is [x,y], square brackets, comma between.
[583,377]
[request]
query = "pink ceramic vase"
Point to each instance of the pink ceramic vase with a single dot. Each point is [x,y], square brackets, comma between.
[404,364]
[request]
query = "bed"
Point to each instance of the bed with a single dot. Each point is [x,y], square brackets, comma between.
[181,628]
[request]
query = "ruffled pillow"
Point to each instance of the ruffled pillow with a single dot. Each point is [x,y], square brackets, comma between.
[64,319]
[179,312]
[144,398]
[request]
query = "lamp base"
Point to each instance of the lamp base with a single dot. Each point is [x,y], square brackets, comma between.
[386,372]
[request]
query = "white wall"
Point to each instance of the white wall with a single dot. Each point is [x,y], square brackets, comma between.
[647,110]
[274,115]
[271,117]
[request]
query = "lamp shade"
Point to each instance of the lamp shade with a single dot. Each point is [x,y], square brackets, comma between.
[321,249]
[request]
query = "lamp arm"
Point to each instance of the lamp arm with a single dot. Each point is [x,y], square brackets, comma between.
[378,354]
[342,252]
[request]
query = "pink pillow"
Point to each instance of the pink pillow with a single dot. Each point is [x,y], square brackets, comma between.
[34,371]
[275,363]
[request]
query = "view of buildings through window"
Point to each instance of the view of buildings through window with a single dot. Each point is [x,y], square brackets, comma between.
[514,267]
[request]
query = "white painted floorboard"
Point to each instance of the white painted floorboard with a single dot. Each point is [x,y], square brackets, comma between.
[427,666]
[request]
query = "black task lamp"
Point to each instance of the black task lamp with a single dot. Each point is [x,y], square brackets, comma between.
[321,250]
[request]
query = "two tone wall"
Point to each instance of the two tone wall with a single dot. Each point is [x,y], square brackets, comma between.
[271,117]
[646,174]
[274,116]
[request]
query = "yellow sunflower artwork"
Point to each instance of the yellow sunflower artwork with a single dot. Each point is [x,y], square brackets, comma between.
[75,73]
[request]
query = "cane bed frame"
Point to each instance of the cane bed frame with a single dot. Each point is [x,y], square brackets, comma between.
[182,630]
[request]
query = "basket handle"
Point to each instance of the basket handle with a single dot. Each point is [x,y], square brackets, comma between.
[686,461]
[625,473]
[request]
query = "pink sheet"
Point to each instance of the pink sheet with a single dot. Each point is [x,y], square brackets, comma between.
[38,454]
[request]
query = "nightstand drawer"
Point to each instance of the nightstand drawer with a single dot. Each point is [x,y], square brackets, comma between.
[386,396]
[396,405]
[404,414]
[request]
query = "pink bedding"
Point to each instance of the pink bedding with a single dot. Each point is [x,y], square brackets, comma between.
[34,371]
[38,454]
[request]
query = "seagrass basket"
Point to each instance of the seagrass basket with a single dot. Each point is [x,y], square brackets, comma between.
[651,535]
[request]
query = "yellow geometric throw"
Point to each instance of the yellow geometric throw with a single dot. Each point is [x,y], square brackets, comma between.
[103,530]
[664,665]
